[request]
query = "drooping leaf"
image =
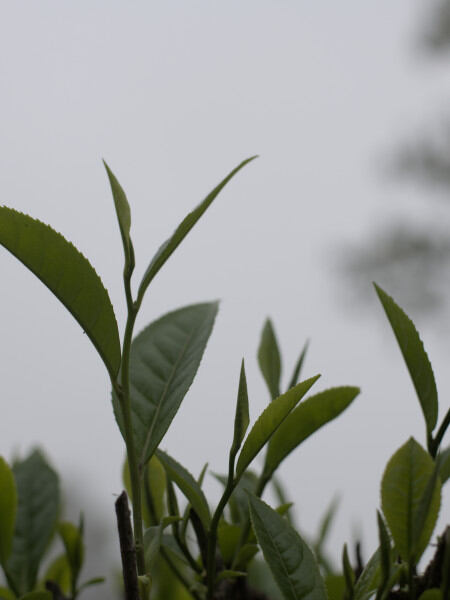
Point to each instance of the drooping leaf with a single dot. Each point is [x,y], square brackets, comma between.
[73,543]
[415,357]
[8,509]
[171,244]
[241,419]
[269,359]
[69,275]
[298,366]
[269,421]
[59,572]
[38,494]
[123,215]
[404,482]
[307,418]
[164,359]
[444,466]
[289,558]
[187,484]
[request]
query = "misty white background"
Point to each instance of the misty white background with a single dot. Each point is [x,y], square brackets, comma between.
[173,95]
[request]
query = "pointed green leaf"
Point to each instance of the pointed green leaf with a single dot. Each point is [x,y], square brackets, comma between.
[245,555]
[59,572]
[90,582]
[229,574]
[38,494]
[241,419]
[431,594]
[298,366]
[404,482]
[369,579]
[164,359]
[153,540]
[385,550]
[289,558]
[187,484]
[444,465]
[170,245]
[325,524]
[73,542]
[349,574]
[269,359]
[69,275]
[269,421]
[415,357]
[123,215]
[307,418]
[8,509]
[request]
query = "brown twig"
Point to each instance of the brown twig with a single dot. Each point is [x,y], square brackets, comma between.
[127,548]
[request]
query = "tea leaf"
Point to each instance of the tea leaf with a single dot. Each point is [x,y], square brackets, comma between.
[73,542]
[228,537]
[153,487]
[431,594]
[335,585]
[269,421]
[123,215]
[38,493]
[444,467]
[349,574]
[6,594]
[289,558]
[298,366]
[229,574]
[8,509]
[164,359]
[269,359]
[241,419]
[385,550]
[369,579]
[39,595]
[59,572]
[69,275]
[404,482]
[187,484]
[153,540]
[415,357]
[170,245]
[304,420]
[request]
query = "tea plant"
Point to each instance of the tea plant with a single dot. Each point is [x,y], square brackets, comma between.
[192,551]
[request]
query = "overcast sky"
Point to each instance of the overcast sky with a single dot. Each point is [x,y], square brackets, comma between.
[173,95]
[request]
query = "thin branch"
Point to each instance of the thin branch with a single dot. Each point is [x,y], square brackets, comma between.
[127,548]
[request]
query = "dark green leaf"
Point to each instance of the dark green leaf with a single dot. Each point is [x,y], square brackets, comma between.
[164,359]
[123,215]
[39,595]
[369,579]
[298,366]
[444,465]
[404,482]
[307,418]
[431,594]
[245,555]
[269,359]
[69,275]
[241,419]
[385,550]
[38,494]
[73,542]
[291,561]
[228,537]
[187,484]
[170,245]
[6,594]
[229,574]
[415,357]
[8,509]
[269,421]
[349,574]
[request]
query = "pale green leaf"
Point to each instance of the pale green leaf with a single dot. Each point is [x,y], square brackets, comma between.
[228,537]
[153,540]
[187,484]
[8,509]
[269,359]
[269,421]
[164,359]
[123,215]
[404,482]
[415,357]
[59,571]
[38,494]
[153,488]
[69,275]
[290,560]
[307,418]
[73,542]
[241,419]
[170,245]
